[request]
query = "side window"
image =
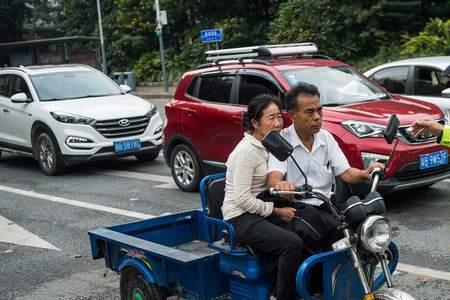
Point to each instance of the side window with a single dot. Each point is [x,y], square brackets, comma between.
[19,86]
[4,85]
[191,89]
[429,82]
[251,86]
[393,79]
[216,88]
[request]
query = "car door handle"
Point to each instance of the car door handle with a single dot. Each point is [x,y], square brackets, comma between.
[5,110]
[190,112]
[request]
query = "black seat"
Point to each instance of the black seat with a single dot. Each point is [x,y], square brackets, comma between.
[215,194]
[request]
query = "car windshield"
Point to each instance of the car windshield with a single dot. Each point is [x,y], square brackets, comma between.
[337,85]
[73,85]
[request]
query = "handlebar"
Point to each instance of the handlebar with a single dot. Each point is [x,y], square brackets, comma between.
[377,175]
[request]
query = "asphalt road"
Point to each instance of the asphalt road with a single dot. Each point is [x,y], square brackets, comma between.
[58,212]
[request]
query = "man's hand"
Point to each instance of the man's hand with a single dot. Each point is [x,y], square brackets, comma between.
[286,186]
[426,126]
[285,213]
[372,167]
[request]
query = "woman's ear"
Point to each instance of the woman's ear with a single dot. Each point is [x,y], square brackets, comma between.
[254,123]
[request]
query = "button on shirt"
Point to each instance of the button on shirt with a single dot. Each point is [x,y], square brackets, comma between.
[325,160]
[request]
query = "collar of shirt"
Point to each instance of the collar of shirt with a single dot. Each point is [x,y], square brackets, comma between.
[296,141]
[254,141]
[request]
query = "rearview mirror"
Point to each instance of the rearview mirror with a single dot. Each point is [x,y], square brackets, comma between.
[20,98]
[392,128]
[277,145]
[125,88]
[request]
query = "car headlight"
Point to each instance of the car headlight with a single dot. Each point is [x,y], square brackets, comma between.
[363,129]
[369,158]
[376,234]
[153,111]
[71,118]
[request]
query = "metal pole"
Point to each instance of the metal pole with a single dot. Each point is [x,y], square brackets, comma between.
[161,45]
[102,42]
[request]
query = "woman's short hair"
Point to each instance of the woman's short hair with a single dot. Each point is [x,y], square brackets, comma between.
[256,106]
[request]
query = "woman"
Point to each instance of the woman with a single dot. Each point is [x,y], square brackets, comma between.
[245,178]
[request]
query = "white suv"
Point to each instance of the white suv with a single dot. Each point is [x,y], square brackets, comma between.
[65,114]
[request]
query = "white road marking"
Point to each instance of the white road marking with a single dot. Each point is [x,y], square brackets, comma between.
[14,234]
[424,271]
[77,203]
[446,180]
[167,181]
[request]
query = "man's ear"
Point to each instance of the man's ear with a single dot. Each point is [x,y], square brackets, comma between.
[291,114]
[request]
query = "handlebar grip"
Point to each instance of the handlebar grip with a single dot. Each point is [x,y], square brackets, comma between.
[377,171]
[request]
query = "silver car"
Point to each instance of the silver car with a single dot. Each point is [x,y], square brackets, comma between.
[424,78]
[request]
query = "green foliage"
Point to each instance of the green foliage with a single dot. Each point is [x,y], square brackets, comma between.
[433,40]
[384,55]
[13,13]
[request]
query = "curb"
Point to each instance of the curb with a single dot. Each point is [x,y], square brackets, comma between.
[154,96]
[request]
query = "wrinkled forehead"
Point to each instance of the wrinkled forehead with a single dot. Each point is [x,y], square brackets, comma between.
[307,101]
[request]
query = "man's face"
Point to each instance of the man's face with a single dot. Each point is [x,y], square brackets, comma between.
[308,115]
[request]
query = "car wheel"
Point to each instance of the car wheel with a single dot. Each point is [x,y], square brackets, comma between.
[148,156]
[0,155]
[185,168]
[48,155]
[133,286]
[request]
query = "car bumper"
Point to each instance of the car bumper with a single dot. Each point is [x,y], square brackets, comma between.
[402,182]
[108,153]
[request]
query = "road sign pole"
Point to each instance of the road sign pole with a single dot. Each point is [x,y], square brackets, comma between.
[161,45]
[102,42]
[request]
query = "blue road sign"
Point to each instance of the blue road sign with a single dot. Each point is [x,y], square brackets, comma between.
[211,35]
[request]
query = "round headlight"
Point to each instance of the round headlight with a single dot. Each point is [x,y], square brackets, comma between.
[376,234]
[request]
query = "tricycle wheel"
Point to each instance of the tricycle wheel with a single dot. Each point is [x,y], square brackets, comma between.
[133,286]
[392,294]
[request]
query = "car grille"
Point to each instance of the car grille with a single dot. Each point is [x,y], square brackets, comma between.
[409,138]
[412,171]
[111,128]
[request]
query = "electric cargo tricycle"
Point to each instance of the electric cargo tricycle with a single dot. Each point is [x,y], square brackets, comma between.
[193,254]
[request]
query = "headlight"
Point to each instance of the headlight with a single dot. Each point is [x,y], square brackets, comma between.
[376,234]
[72,119]
[153,111]
[362,129]
[369,158]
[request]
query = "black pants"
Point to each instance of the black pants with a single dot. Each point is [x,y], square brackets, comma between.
[266,237]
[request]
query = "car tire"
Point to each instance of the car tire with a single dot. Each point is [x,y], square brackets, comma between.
[133,286]
[0,155]
[48,155]
[148,156]
[185,168]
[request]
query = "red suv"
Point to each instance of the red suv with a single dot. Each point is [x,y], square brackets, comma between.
[204,118]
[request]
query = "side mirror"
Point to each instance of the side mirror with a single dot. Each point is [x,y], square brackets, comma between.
[20,98]
[446,93]
[392,128]
[277,145]
[125,88]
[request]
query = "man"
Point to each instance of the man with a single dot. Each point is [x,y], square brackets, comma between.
[315,149]
[429,125]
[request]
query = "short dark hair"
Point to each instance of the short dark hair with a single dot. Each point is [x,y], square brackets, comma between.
[298,89]
[256,106]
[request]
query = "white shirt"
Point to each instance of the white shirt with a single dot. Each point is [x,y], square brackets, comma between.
[325,161]
[245,179]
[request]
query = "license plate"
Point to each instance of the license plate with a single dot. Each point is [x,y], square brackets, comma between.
[125,146]
[434,159]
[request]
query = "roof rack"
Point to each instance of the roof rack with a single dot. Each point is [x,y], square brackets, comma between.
[265,51]
[233,61]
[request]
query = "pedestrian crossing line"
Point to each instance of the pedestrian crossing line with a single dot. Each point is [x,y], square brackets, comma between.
[424,271]
[87,205]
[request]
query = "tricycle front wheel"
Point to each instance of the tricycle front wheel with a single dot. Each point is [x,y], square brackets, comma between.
[392,294]
[133,286]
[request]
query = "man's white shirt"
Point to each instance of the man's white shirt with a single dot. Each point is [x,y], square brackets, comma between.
[325,161]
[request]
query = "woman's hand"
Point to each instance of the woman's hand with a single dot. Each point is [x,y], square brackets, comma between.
[284,213]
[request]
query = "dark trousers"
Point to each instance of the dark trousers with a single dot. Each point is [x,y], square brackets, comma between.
[266,237]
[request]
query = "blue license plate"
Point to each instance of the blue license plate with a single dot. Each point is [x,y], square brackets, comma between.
[434,159]
[125,146]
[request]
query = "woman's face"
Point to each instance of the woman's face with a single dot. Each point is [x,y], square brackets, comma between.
[271,119]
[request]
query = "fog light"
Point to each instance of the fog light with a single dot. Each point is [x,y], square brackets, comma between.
[77,140]
[369,158]
[158,130]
